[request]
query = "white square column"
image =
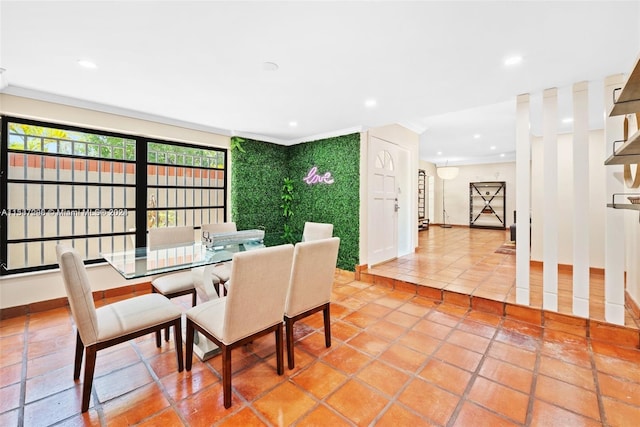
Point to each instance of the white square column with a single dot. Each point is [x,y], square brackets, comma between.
[614,238]
[523,202]
[581,199]
[550,199]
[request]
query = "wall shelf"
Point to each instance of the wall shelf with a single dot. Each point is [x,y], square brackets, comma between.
[629,152]
[629,99]
[623,204]
[628,102]
[628,206]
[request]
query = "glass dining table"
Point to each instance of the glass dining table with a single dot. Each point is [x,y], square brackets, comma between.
[145,262]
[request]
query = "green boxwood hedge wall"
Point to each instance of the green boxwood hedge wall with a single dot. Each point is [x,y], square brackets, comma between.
[337,203]
[257,178]
[257,172]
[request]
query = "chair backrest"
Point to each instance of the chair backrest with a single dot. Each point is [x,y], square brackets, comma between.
[316,231]
[76,283]
[256,298]
[171,236]
[222,227]
[314,266]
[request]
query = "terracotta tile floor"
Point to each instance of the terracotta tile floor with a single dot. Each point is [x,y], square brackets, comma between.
[397,359]
[464,260]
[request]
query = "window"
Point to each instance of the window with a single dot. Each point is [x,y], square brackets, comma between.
[186,185]
[84,188]
[384,160]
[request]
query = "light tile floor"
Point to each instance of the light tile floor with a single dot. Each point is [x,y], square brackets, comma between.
[397,359]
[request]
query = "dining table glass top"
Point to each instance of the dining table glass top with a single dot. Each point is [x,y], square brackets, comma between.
[142,262]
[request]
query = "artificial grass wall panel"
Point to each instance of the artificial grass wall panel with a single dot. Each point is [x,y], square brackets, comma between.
[337,203]
[258,174]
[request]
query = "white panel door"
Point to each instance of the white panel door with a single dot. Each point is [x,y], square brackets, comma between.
[383,201]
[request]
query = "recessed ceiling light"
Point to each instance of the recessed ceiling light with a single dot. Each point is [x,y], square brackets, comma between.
[85,63]
[493,147]
[293,124]
[567,120]
[513,60]
[501,154]
[370,103]
[439,153]
[476,136]
[270,66]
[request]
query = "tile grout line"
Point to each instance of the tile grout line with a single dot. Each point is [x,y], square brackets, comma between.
[23,372]
[157,381]
[596,382]
[412,376]
[472,380]
[534,380]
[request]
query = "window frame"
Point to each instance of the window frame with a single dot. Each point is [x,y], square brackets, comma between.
[140,185]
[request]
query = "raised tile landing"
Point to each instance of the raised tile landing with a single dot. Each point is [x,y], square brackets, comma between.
[469,267]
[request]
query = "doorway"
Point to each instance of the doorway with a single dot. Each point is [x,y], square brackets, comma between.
[383,201]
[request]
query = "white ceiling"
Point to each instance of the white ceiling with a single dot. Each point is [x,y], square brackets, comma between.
[201,63]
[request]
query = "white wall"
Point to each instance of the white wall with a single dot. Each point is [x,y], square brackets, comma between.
[23,289]
[632,251]
[457,191]
[597,199]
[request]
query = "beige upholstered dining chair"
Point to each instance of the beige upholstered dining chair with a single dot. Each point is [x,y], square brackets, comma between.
[316,230]
[223,270]
[173,285]
[314,266]
[111,324]
[252,308]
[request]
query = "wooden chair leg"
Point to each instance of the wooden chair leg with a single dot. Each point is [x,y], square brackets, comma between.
[289,332]
[177,336]
[189,344]
[77,364]
[158,339]
[194,298]
[326,311]
[166,334]
[279,350]
[226,375]
[89,368]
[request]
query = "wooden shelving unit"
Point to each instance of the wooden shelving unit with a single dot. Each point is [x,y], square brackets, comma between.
[487,204]
[628,102]
[422,192]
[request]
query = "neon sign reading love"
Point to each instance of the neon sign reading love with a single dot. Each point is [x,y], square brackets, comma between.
[313,177]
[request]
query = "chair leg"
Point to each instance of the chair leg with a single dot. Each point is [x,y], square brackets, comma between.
[189,344]
[326,312]
[226,375]
[194,298]
[89,368]
[289,332]
[177,336]
[166,334]
[279,350]
[158,339]
[77,364]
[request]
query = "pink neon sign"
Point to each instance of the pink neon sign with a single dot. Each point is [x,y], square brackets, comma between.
[313,177]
